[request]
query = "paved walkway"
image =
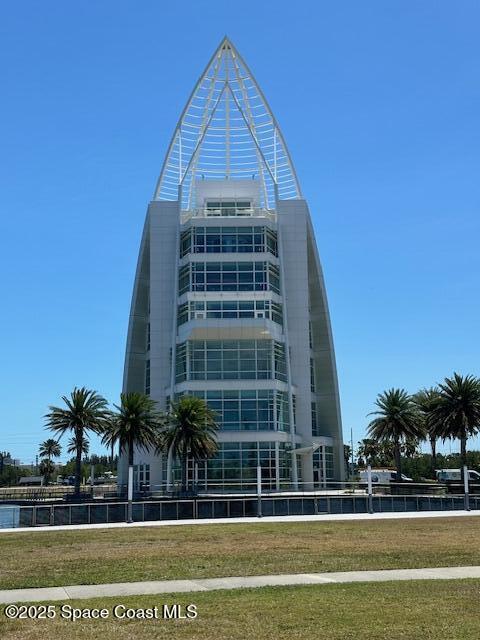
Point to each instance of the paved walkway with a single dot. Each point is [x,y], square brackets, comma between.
[50,594]
[341,517]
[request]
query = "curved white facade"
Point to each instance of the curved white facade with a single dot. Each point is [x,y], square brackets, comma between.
[229,301]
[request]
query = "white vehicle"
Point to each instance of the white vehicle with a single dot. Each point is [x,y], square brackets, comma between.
[456,475]
[383,476]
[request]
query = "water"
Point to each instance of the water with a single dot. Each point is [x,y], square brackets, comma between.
[9,516]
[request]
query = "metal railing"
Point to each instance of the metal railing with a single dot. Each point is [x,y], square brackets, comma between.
[337,500]
[272,487]
[225,488]
[253,212]
[55,493]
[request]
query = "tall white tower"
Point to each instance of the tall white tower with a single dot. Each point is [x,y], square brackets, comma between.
[229,301]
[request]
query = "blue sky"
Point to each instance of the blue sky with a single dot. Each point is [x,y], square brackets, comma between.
[380,105]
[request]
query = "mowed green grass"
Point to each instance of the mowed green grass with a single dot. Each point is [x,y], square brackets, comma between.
[58,558]
[417,610]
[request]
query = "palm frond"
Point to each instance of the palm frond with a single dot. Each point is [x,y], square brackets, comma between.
[135,423]
[85,410]
[75,443]
[397,418]
[50,448]
[192,429]
[457,412]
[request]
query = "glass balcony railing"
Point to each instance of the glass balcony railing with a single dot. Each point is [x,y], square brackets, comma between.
[229,212]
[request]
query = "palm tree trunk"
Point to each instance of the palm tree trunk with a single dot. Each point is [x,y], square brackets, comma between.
[463,451]
[169,468]
[433,445]
[184,472]
[398,461]
[78,462]
[130,483]
[47,475]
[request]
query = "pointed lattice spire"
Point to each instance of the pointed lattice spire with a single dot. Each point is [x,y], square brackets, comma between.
[227,131]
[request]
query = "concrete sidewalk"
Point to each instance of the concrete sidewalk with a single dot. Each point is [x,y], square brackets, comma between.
[50,594]
[340,517]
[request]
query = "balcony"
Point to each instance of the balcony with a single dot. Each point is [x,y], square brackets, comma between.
[229,212]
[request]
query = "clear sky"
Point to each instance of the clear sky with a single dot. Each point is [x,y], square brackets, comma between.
[379,103]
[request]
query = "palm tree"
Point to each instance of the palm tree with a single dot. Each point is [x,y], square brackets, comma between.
[136,423]
[46,468]
[397,422]
[50,449]
[426,400]
[347,457]
[72,446]
[410,446]
[191,432]
[457,412]
[85,410]
[368,451]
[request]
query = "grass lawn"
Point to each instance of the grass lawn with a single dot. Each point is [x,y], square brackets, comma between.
[94,556]
[414,610]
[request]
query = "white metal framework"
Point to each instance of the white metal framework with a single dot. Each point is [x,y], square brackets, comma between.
[227,131]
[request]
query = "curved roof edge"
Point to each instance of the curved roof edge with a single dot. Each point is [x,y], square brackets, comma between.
[227,131]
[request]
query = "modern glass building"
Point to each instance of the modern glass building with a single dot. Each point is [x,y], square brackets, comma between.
[229,302]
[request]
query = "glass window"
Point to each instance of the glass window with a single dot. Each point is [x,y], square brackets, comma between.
[229,276]
[147,377]
[280,362]
[315,428]
[274,278]
[228,239]
[248,410]
[230,309]
[181,363]
[323,461]
[182,314]
[183,279]
[231,360]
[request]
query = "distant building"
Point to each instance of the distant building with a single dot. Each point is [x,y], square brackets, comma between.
[31,481]
[229,302]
